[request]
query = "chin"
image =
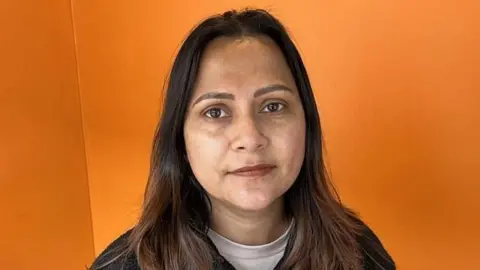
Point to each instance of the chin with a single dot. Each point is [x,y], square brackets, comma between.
[253,202]
[252,207]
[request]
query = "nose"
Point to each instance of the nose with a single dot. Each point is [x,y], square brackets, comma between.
[247,136]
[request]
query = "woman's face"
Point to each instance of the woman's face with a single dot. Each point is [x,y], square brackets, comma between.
[245,128]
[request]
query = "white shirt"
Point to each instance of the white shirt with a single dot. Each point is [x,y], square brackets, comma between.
[243,257]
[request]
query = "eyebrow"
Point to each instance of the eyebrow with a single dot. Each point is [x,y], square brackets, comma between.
[261,91]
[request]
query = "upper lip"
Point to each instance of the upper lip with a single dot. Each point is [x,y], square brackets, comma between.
[252,168]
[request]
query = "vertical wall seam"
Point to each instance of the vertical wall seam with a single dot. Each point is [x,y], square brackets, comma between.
[82,119]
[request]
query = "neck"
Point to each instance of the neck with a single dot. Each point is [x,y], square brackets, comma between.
[249,227]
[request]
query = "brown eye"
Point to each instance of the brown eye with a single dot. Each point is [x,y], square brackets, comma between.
[215,113]
[273,107]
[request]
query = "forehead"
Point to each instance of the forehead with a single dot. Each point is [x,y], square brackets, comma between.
[242,62]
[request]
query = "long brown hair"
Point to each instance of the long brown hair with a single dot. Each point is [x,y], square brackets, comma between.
[172,230]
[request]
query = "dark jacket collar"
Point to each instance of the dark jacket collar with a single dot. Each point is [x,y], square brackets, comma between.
[374,254]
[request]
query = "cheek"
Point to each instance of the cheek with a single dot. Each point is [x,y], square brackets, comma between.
[288,143]
[206,149]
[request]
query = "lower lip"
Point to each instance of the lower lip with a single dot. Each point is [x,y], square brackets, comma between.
[254,173]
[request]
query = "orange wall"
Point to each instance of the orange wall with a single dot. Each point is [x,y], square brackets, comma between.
[44,202]
[397,84]
[121,63]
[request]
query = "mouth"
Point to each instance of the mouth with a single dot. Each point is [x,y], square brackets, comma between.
[253,171]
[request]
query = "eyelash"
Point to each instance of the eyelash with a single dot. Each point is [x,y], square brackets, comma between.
[281,105]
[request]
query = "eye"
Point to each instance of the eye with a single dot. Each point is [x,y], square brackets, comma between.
[273,107]
[215,113]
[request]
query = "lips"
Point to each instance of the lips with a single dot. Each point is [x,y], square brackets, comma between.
[253,171]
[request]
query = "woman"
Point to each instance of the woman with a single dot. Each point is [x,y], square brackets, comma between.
[237,177]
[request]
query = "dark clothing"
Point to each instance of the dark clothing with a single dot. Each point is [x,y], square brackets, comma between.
[375,255]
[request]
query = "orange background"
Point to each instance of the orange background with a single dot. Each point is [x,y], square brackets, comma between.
[398,88]
[44,200]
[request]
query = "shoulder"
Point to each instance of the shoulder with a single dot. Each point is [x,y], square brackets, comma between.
[375,256]
[116,256]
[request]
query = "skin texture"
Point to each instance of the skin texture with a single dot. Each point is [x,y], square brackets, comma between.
[245,110]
